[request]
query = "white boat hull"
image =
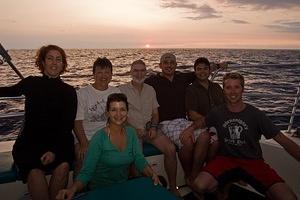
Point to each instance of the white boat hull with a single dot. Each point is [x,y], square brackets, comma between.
[284,164]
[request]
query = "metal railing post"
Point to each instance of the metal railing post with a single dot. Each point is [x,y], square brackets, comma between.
[7,59]
[294,110]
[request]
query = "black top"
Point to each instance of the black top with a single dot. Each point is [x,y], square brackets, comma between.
[171,94]
[50,110]
[202,100]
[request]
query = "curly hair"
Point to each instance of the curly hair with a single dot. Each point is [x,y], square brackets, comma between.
[41,56]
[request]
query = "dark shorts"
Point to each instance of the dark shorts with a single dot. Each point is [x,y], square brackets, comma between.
[28,158]
[255,172]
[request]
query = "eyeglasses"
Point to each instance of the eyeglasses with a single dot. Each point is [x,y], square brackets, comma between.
[168,62]
[138,70]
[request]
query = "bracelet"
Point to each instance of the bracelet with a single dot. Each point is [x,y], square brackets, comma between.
[151,125]
[154,125]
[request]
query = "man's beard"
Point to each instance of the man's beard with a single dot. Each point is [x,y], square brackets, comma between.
[138,81]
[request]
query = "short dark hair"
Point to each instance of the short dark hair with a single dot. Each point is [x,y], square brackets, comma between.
[234,75]
[116,97]
[167,56]
[102,63]
[41,56]
[201,60]
[136,62]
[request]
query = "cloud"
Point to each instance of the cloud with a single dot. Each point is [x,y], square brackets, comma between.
[199,17]
[264,4]
[199,12]
[237,21]
[285,26]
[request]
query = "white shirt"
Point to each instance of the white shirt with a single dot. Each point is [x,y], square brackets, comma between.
[92,107]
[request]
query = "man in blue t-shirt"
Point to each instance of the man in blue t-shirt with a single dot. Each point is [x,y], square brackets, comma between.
[240,126]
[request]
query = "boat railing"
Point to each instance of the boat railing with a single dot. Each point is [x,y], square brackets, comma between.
[293,114]
[10,115]
[6,58]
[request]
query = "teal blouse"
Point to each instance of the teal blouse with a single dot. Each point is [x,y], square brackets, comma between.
[105,164]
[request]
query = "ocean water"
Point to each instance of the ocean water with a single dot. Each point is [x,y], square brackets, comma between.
[267,87]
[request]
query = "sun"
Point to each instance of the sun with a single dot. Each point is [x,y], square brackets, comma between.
[147,46]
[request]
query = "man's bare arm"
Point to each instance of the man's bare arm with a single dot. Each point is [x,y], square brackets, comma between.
[289,145]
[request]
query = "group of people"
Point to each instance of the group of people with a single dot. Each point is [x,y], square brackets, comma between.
[215,134]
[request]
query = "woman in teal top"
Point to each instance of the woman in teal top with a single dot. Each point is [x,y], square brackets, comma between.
[110,152]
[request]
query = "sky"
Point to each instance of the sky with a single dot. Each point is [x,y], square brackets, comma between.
[259,24]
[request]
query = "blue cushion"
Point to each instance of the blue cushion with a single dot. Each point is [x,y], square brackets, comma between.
[139,188]
[150,150]
[8,171]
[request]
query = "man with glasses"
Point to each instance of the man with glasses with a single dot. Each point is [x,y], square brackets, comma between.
[143,115]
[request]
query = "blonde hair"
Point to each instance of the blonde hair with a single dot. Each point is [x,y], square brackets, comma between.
[234,75]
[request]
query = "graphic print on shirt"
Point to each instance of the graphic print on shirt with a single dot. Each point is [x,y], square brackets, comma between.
[97,112]
[235,132]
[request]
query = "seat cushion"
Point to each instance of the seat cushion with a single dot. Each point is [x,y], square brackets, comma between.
[8,172]
[150,150]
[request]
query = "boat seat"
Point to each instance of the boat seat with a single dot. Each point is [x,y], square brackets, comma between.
[150,150]
[8,171]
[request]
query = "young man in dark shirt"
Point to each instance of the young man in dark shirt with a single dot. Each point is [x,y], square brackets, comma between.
[201,96]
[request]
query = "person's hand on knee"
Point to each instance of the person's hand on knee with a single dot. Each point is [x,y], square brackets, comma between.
[47,158]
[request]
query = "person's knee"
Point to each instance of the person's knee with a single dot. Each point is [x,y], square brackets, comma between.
[36,172]
[203,183]
[290,196]
[204,138]
[282,196]
[62,169]
[64,166]
[188,144]
[199,185]
[281,191]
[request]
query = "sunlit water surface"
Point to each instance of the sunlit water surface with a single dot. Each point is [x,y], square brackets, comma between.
[266,87]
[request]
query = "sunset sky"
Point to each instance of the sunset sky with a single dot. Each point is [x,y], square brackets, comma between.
[150,23]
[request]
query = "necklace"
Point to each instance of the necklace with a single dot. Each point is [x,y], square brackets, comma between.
[109,131]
